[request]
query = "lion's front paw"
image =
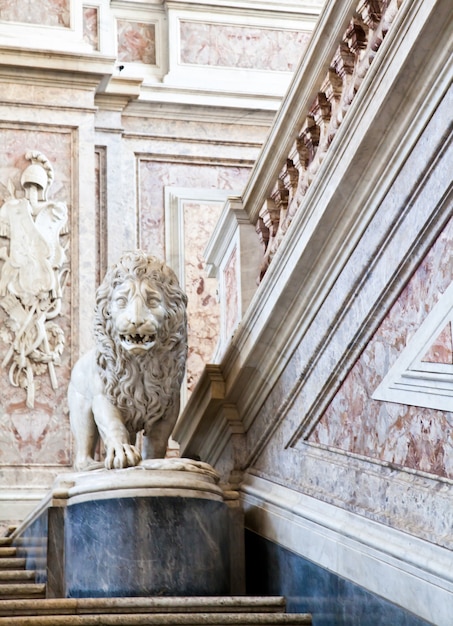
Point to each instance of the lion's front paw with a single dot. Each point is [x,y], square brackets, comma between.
[122,455]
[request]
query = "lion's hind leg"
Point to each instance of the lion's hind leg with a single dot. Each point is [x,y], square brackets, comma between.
[155,438]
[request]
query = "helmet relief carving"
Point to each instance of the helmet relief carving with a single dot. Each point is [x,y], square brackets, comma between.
[33,274]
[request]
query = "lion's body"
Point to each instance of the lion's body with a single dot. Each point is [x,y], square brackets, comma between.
[131,381]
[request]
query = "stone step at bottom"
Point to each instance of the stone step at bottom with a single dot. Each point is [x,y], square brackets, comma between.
[235,610]
[162,619]
[153,604]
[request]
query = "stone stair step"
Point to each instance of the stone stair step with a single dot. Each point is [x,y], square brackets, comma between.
[191,611]
[5,541]
[7,563]
[7,551]
[16,575]
[194,604]
[13,591]
[9,530]
[165,619]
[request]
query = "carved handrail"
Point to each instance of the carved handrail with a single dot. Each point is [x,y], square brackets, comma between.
[341,51]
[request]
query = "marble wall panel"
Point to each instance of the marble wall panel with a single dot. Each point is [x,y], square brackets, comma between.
[200,219]
[136,42]
[37,436]
[154,176]
[203,308]
[91,26]
[44,12]
[409,436]
[228,45]
[202,127]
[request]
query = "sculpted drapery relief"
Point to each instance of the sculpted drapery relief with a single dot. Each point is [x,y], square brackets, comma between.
[33,275]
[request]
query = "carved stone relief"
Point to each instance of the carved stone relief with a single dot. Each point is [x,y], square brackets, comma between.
[33,275]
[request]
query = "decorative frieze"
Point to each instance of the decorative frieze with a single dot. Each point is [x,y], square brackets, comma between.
[234,46]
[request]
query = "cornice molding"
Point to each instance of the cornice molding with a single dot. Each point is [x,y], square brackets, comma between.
[74,70]
[165,94]
[307,8]
[118,93]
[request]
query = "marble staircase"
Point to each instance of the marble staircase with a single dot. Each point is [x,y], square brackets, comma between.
[16,582]
[23,602]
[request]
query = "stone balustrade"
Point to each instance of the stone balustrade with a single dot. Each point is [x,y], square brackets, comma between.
[369,22]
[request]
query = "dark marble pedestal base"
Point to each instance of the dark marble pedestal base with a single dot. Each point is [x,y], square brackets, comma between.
[141,546]
[164,528]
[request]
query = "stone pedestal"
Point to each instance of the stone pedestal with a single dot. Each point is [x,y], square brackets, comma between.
[162,528]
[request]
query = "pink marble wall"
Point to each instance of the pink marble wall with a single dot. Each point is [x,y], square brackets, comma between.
[203,308]
[91,26]
[241,46]
[45,12]
[38,436]
[136,42]
[409,436]
[231,293]
[199,220]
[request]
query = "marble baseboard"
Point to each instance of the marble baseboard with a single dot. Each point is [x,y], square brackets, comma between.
[401,569]
[331,600]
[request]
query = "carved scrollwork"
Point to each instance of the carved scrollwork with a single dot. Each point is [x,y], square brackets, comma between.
[33,275]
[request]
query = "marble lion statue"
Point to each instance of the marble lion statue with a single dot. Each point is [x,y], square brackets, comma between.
[130,382]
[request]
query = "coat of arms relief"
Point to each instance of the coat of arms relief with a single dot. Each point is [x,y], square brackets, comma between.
[34,272]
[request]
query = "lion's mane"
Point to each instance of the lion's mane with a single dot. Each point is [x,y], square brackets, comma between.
[144,386]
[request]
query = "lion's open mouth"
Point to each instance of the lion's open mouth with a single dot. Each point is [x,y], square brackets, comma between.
[144,342]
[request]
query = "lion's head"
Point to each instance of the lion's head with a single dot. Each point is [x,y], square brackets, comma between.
[141,337]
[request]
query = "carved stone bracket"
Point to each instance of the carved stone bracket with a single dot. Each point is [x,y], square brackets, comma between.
[33,276]
[361,40]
